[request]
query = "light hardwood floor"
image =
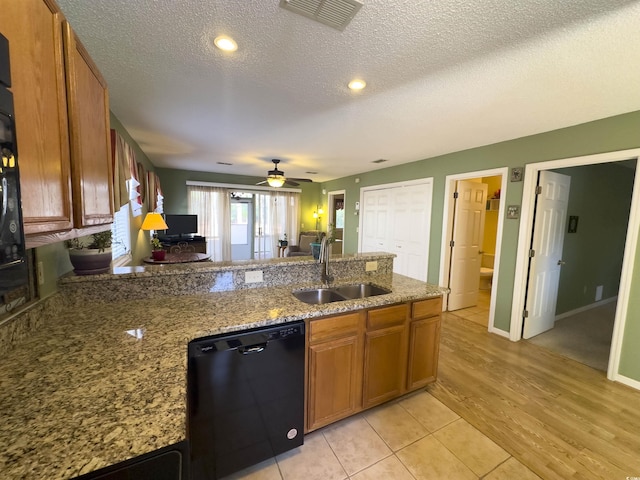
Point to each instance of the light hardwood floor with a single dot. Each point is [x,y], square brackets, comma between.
[558,417]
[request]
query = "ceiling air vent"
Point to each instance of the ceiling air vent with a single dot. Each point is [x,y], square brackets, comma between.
[335,13]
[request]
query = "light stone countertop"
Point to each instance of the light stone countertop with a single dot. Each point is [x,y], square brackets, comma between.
[107,381]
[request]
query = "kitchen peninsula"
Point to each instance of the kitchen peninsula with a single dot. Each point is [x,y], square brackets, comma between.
[103,378]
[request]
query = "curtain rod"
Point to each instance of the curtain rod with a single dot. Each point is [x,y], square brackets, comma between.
[235,186]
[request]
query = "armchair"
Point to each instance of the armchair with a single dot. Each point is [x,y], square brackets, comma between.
[305,239]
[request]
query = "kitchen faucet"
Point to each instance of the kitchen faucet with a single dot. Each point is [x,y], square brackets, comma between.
[323,258]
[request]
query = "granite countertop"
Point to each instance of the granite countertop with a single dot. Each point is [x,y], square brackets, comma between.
[107,381]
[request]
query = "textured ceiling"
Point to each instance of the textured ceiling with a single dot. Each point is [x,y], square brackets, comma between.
[442,76]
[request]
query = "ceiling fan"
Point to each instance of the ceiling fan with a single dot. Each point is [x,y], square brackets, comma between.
[276,178]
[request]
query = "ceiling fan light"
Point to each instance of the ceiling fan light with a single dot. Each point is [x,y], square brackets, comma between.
[275,181]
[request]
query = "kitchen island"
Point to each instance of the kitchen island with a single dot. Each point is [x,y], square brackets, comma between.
[105,381]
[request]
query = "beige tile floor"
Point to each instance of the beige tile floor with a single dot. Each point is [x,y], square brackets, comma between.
[479,313]
[413,438]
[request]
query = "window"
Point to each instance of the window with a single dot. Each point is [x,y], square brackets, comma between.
[121,244]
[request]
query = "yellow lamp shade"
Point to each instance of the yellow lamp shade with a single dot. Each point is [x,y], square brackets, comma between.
[154,221]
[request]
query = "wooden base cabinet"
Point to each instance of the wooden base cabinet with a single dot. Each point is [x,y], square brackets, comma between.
[385,354]
[334,369]
[362,359]
[424,342]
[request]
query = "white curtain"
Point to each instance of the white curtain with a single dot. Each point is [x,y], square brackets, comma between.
[276,214]
[213,208]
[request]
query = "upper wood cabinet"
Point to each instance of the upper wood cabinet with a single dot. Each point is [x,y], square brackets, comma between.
[62,121]
[34,30]
[91,171]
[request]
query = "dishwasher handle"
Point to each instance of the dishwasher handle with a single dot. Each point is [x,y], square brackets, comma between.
[249,350]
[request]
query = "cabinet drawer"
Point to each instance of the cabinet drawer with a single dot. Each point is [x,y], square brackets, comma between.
[386,317]
[426,308]
[333,327]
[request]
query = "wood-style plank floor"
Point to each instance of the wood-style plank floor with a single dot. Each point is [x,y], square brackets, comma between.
[560,418]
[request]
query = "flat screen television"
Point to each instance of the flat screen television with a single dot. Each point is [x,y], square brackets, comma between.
[181,225]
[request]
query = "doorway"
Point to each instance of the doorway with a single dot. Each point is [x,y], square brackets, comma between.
[482,255]
[628,247]
[241,227]
[336,201]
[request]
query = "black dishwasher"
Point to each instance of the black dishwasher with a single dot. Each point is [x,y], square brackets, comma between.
[245,398]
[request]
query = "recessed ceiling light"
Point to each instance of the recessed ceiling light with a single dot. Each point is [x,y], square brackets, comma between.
[357,84]
[225,43]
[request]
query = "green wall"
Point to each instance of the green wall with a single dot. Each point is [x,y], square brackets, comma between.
[600,195]
[610,134]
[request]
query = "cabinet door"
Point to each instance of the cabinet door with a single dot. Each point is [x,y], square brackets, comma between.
[384,364]
[385,354]
[334,381]
[34,30]
[88,101]
[424,344]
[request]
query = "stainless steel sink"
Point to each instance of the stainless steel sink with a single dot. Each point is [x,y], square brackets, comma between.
[361,290]
[318,296]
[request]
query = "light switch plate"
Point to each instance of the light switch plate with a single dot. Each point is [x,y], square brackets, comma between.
[371,266]
[253,276]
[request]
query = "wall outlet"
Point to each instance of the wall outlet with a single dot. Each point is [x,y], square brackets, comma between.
[599,291]
[40,272]
[253,276]
[371,266]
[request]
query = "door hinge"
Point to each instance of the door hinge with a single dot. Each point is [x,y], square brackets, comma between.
[451,243]
[455,194]
[538,189]
[525,313]
[532,253]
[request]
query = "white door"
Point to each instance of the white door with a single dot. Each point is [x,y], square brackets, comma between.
[548,237]
[398,220]
[375,211]
[410,232]
[468,230]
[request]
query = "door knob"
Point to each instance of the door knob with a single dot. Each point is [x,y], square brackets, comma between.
[560,262]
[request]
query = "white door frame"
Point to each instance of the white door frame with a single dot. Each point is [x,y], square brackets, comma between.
[524,239]
[330,196]
[447,229]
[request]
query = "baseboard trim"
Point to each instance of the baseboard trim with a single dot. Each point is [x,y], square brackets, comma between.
[586,307]
[629,382]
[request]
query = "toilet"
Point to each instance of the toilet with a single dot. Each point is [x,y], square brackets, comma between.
[486,271]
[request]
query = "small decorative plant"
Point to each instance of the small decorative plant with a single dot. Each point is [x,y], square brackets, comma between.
[97,241]
[156,244]
[101,241]
[90,255]
[284,242]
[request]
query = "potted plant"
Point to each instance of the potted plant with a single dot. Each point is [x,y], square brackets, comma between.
[284,242]
[90,255]
[157,252]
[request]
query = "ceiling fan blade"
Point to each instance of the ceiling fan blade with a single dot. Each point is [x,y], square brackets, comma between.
[291,183]
[301,180]
[262,183]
